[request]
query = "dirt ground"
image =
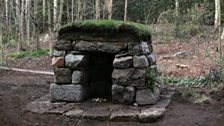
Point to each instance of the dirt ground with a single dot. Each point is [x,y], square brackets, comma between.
[18,89]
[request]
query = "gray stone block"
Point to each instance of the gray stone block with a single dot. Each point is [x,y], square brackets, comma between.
[134,49]
[145,48]
[152,58]
[80,77]
[122,94]
[147,96]
[117,93]
[107,47]
[58,53]
[69,93]
[123,115]
[123,62]
[151,114]
[139,48]
[140,61]
[129,77]
[62,75]
[76,61]
[63,45]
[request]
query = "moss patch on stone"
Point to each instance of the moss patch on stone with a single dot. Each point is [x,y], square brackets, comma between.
[108,27]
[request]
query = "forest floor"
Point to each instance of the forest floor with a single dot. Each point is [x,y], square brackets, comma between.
[18,89]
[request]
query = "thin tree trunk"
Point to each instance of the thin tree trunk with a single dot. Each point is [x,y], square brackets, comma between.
[83,9]
[78,14]
[125,10]
[49,26]
[72,15]
[28,2]
[1,35]
[97,8]
[49,16]
[177,8]
[18,25]
[60,14]
[7,11]
[35,26]
[22,22]
[44,13]
[55,14]
[110,7]
[68,11]
[217,13]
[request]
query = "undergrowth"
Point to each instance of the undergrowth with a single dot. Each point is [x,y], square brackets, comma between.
[23,54]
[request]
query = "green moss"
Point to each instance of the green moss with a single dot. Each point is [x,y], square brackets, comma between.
[108,26]
[22,54]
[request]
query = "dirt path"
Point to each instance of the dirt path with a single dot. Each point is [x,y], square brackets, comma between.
[18,89]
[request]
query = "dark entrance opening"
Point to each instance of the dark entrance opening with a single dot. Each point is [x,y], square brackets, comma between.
[101,68]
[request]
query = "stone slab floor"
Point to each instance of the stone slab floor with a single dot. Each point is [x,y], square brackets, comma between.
[101,110]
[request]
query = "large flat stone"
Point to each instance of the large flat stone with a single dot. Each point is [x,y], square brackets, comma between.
[61,109]
[124,115]
[147,96]
[38,107]
[129,77]
[151,114]
[75,113]
[69,93]
[123,62]
[62,76]
[74,61]
[97,113]
[63,45]
[107,47]
[140,61]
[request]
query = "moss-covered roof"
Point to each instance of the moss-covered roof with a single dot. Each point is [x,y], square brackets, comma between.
[107,28]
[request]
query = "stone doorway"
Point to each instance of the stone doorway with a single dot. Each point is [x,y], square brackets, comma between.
[101,68]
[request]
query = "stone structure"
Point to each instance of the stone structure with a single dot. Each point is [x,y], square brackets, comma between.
[109,59]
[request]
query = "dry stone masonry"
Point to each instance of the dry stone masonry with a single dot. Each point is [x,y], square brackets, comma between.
[108,59]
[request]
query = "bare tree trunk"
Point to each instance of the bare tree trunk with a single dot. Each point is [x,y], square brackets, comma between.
[68,11]
[28,3]
[1,41]
[49,16]
[55,14]
[125,10]
[78,14]
[49,26]
[44,13]
[60,14]
[110,7]
[18,24]
[97,8]
[177,8]
[35,26]
[1,35]
[83,9]
[7,11]
[217,14]
[72,15]
[22,22]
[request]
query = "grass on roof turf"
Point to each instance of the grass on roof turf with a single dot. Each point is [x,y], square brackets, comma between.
[139,29]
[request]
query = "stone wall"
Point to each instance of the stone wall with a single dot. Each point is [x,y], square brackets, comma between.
[133,74]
